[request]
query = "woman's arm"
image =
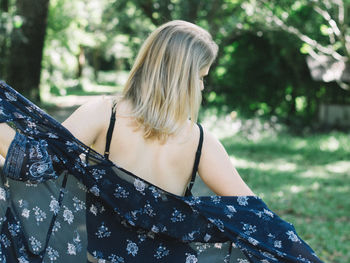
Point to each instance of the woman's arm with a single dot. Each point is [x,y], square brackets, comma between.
[88,120]
[217,170]
[6,136]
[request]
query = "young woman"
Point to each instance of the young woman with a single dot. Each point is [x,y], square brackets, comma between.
[156,135]
[151,135]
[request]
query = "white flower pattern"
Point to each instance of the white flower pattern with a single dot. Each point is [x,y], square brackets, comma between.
[132,248]
[191,259]
[39,214]
[54,205]
[68,216]
[2,194]
[36,244]
[292,236]
[139,185]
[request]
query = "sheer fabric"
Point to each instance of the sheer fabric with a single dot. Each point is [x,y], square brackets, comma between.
[55,206]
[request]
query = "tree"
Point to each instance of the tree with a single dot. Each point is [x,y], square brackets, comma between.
[323,27]
[27,42]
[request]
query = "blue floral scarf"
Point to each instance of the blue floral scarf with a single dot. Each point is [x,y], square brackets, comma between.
[60,201]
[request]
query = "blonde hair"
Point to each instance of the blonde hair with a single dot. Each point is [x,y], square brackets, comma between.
[164,85]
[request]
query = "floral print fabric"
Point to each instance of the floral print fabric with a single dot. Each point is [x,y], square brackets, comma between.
[60,201]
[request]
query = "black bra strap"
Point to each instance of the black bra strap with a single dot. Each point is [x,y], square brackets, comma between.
[110,131]
[196,161]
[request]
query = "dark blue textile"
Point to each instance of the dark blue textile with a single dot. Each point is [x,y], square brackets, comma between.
[108,214]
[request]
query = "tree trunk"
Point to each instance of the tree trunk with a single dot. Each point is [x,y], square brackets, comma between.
[192,10]
[96,57]
[81,61]
[26,51]
[4,5]
[4,8]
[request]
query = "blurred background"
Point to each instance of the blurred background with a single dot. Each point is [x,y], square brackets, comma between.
[278,95]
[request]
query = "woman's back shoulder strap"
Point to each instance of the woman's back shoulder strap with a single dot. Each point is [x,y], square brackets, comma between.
[110,129]
[196,160]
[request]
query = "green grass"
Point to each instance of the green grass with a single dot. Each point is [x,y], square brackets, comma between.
[304,179]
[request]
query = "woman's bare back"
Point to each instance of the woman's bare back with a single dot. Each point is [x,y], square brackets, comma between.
[167,165]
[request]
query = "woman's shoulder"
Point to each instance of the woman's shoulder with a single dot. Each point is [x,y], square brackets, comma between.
[98,109]
[90,119]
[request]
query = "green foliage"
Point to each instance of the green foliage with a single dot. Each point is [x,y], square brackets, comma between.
[80,28]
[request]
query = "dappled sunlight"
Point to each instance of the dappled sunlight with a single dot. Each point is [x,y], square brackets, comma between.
[295,188]
[278,164]
[345,189]
[280,194]
[299,144]
[339,167]
[227,125]
[315,172]
[329,144]
[301,188]
[315,186]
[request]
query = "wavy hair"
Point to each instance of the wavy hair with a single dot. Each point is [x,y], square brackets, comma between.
[164,84]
